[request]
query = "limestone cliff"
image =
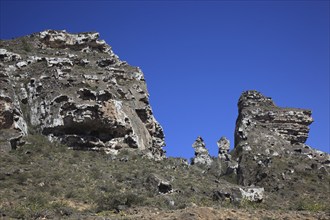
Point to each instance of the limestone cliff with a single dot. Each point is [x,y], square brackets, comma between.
[270,145]
[261,121]
[74,89]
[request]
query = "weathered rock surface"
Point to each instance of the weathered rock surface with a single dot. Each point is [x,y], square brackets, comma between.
[253,194]
[158,185]
[202,155]
[74,89]
[261,120]
[265,128]
[7,56]
[224,147]
[271,151]
[239,194]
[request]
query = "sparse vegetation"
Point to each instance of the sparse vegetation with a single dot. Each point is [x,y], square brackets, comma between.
[26,45]
[43,179]
[35,177]
[312,206]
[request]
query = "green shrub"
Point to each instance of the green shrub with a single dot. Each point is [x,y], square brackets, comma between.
[310,205]
[61,208]
[22,178]
[113,201]
[246,204]
[26,46]
[96,173]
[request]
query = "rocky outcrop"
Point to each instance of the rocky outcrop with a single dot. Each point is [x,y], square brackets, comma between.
[12,124]
[86,42]
[227,166]
[261,121]
[252,194]
[74,89]
[270,141]
[224,147]
[202,155]
[156,184]
[6,56]
[239,194]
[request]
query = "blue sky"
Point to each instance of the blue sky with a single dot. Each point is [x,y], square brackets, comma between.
[199,56]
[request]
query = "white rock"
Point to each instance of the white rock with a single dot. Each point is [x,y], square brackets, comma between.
[275,154]
[72,56]
[90,77]
[21,64]
[10,68]
[62,38]
[57,61]
[253,194]
[201,153]
[246,148]
[34,59]
[84,61]
[111,151]
[7,56]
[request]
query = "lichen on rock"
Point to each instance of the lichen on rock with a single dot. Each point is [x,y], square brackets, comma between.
[74,89]
[202,156]
[224,147]
[261,120]
[269,140]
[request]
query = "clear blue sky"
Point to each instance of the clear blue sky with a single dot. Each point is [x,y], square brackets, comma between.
[198,56]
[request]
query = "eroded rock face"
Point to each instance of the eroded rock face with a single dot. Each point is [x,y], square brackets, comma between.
[202,155]
[270,142]
[87,42]
[261,120]
[74,89]
[224,147]
[12,124]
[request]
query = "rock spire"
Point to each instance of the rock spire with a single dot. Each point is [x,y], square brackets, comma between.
[201,153]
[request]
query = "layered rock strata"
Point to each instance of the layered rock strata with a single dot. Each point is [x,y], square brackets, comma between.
[270,141]
[261,121]
[74,89]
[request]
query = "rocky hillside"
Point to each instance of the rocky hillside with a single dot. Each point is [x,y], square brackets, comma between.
[74,89]
[78,140]
[44,180]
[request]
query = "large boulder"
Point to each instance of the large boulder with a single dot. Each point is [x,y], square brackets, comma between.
[154,183]
[74,89]
[239,195]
